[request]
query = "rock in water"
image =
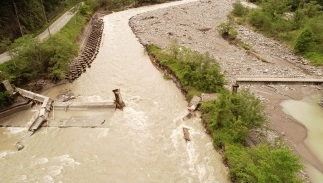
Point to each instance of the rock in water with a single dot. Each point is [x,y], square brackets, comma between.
[186,134]
[19,146]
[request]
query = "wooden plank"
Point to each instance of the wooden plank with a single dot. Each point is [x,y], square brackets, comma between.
[84,105]
[300,81]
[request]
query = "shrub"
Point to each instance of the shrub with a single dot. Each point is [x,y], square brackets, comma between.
[85,10]
[304,42]
[239,10]
[227,30]
[262,164]
[259,19]
[4,100]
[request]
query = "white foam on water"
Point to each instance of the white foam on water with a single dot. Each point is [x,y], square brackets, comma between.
[66,160]
[94,98]
[201,169]
[3,154]
[192,157]
[137,120]
[103,133]
[22,177]
[47,179]
[176,133]
[39,161]
[55,170]
[14,130]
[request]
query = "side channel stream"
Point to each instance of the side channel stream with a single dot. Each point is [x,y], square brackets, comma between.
[310,114]
[142,143]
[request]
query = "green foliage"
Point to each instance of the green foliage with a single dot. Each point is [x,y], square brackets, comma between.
[255,1]
[240,110]
[315,57]
[304,41]
[227,30]
[195,70]
[239,10]
[4,100]
[298,20]
[85,10]
[245,46]
[259,19]
[230,119]
[312,9]
[4,45]
[262,164]
[275,7]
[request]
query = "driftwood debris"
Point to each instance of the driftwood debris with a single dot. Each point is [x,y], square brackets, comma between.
[118,101]
[186,134]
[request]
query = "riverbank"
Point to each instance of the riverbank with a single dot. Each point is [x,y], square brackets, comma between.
[195,26]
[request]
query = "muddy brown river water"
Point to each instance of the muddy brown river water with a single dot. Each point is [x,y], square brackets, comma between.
[142,143]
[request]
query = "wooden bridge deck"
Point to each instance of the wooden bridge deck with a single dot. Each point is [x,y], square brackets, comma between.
[281,81]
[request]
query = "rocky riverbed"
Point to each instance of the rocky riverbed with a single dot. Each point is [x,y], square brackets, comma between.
[194,26]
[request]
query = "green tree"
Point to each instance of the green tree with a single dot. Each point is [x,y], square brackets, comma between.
[298,19]
[275,164]
[304,42]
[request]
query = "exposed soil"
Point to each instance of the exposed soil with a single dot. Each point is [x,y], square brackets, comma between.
[194,25]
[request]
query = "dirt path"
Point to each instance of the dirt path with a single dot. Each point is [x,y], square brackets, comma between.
[194,25]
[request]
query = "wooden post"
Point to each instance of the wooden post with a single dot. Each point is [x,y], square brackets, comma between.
[235,88]
[118,101]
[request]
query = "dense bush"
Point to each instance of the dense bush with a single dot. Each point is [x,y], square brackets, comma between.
[259,19]
[228,31]
[235,115]
[239,10]
[195,70]
[304,41]
[262,163]
[230,119]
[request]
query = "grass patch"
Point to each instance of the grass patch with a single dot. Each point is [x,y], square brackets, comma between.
[197,72]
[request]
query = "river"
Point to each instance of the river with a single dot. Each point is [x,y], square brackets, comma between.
[310,114]
[142,143]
